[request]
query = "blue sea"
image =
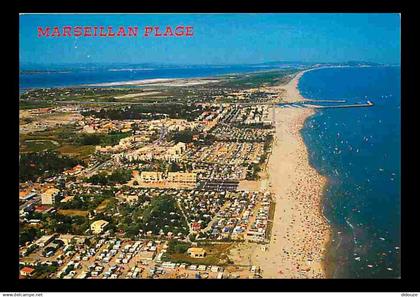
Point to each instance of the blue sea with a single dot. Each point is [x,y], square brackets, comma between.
[359,150]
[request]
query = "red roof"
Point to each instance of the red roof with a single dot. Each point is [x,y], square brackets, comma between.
[42,208]
[27,270]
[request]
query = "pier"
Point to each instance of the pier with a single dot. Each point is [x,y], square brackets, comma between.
[367,104]
[302,104]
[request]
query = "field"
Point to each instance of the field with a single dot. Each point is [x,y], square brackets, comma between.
[38,145]
[58,139]
[257,79]
[34,104]
[101,207]
[216,255]
[73,212]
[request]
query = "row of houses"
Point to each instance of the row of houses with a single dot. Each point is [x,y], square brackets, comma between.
[170,180]
[258,229]
[154,152]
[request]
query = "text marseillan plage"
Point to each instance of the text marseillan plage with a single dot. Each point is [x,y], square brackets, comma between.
[110,31]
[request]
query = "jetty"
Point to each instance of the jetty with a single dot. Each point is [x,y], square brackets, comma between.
[367,104]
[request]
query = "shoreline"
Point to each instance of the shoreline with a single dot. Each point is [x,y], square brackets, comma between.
[299,226]
[161,81]
[150,81]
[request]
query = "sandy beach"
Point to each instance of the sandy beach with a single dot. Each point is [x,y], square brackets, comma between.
[160,82]
[300,232]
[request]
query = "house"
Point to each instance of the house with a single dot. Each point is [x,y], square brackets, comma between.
[25,196]
[48,197]
[195,226]
[66,199]
[66,238]
[75,170]
[98,226]
[45,240]
[27,271]
[43,209]
[196,252]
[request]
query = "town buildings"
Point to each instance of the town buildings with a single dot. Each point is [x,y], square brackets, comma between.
[49,196]
[196,252]
[98,226]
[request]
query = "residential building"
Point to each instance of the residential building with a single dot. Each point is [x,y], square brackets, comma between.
[151,176]
[45,240]
[27,271]
[48,197]
[182,178]
[196,252]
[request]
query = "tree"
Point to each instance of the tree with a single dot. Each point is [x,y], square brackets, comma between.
[28,235]
[177,247]
[43,164]
[173,167]
[185,136]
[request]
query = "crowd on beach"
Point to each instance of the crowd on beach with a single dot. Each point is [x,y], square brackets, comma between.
[300,232]
[308,247]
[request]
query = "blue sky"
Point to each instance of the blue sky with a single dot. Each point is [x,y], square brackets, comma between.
[218,39]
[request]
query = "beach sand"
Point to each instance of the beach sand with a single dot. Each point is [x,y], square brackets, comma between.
[159,82]
[300,232]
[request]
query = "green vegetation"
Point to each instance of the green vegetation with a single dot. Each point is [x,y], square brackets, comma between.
[63,140]
[92,94]
[67,141]
[161,213]
[119,176]
[175,246]
[56,222]
[26,104]
[39,145]
[28,235]
[43,164]
[164,214]
[111,138]
[82,202]
[44,270]
[148,111]
[185,136]
[257,79]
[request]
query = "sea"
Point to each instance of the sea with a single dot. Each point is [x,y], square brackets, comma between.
[359,150]
[74,75]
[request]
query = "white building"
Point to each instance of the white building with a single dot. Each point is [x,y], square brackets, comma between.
[48,197]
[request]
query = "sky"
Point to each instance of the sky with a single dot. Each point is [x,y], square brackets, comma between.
[218,39]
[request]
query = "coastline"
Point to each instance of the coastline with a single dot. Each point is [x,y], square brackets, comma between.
[299,227]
